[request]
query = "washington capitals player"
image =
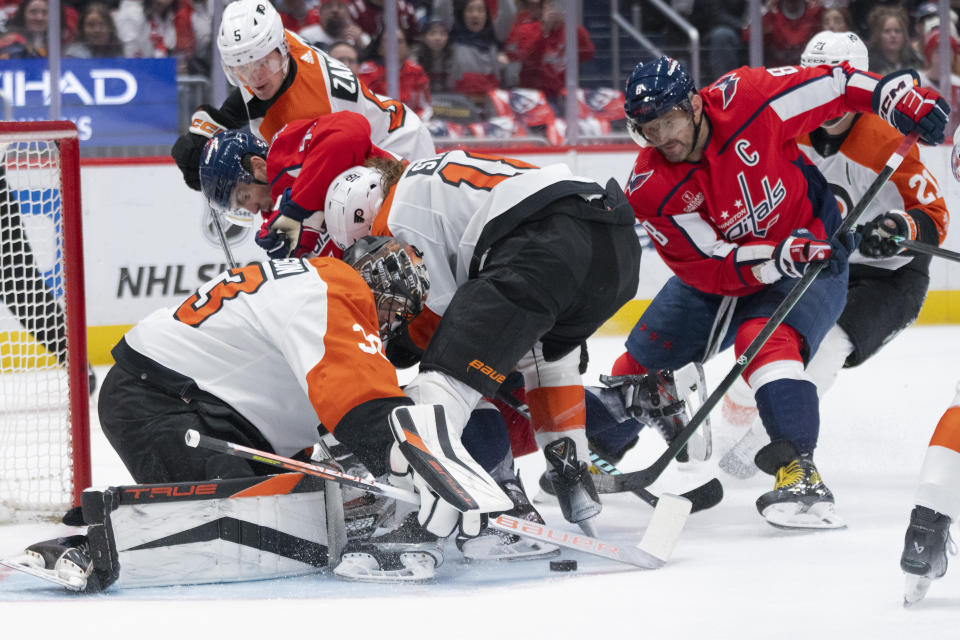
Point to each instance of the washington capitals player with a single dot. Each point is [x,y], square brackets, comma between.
[738,213]
[887,285]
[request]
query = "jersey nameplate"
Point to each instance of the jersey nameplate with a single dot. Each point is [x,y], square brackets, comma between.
[287,267]
[343,84]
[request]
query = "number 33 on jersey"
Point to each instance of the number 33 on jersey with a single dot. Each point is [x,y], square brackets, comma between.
[287,343]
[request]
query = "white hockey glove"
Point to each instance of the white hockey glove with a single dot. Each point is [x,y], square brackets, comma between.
[453,488]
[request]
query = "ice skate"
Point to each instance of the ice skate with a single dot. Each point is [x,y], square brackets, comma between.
[925,549]
[572,484]
[800,499]
[499,545]
[64,561]
[409,553]
[738,461]
[665,400]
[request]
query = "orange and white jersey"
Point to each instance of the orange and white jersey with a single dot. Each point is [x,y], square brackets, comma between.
[449,204]
[287,343]
[861,157]
[320,85]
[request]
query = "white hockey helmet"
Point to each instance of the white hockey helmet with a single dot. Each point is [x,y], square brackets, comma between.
[249,31]
[352,202]
[833,47]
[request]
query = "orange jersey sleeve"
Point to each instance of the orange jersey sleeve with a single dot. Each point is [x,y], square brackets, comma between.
[353,369]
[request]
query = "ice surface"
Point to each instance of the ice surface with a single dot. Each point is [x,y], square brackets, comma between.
[731,576]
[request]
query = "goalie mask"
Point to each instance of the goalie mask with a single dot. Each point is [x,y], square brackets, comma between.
[352,202]
[397,276]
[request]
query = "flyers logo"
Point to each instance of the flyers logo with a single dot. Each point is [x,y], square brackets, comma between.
[636,180]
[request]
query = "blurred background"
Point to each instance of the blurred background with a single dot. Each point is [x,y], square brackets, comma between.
[481,72]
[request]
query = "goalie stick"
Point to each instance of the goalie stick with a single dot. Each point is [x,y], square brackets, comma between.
[643,478]
[652,552]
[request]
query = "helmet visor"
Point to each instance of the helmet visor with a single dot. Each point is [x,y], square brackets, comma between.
[666,127]
[254,73]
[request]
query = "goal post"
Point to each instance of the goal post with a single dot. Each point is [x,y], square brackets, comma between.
[44,391]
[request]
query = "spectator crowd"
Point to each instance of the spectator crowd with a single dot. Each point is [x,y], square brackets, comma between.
[478,61]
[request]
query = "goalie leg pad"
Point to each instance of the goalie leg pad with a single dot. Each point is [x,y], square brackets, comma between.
[212,531]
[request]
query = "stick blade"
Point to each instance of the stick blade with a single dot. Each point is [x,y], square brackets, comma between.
[666,525]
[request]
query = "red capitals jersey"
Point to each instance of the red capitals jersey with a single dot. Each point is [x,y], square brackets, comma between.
[712,221]
[306,155]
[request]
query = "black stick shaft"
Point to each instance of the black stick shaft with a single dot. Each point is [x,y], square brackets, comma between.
[929,249]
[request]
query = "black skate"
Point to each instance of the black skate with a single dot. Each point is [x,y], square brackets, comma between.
[800,499]
[572,484]
[409,553]
[64,561]
[661,400]
[925,548]
[493,544]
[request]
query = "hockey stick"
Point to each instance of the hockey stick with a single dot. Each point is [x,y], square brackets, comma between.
[652,552]
[703,497]
[645,477]
[221,234]
[928,249]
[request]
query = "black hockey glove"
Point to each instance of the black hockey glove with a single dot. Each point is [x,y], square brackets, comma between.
[188,149]
[879,234]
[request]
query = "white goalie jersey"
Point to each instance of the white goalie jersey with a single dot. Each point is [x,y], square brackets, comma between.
[287,343]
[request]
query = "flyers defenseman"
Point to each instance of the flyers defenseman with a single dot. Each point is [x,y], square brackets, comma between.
[738,213]
[279,78]
[257,356]
[525,263]
[887,286]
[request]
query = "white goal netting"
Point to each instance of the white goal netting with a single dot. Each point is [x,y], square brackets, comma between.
[37,456]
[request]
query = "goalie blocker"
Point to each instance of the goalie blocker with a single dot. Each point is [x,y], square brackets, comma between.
[209,531]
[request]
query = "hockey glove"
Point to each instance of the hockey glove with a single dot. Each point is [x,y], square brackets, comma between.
[879,234]
[436,515]
[907,107]
[798,251]
[272,242]
[188,149]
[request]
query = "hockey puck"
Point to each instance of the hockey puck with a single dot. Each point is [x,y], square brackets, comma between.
[563,565]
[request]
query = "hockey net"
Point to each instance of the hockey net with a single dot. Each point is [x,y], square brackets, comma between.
[44,404]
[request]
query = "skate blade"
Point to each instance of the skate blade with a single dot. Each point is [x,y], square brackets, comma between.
[791,515]
[363,567]
[915,589]
[492,547]
[19,564]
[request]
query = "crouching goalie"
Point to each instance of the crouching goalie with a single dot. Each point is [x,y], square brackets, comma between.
[258,356]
